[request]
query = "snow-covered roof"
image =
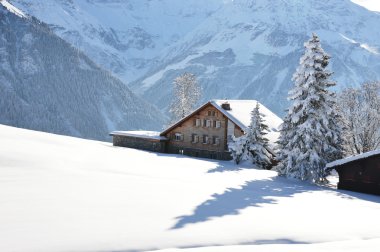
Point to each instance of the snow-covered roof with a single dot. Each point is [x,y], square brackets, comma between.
[352,158]
[11,8]
[140,134]
[240,114]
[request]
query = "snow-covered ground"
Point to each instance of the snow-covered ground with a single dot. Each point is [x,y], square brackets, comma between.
[59,193]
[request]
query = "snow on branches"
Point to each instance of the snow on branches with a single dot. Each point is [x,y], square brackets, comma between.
[253,145]
[310,135]
[257,143]
[186,94]
[238,147]
[360,118]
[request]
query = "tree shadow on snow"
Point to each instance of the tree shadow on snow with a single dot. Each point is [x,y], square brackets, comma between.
[254,194]
[225,166]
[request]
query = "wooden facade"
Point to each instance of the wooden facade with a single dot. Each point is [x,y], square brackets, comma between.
[360,174]
[202,134]
[141,143]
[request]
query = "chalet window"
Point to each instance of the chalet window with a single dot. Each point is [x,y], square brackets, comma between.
[208,123]
[194,138]
[217,124]
[178,137]
[209,113]
[204,123]
[215,140]
[205,139]
[213,113]
[197,122]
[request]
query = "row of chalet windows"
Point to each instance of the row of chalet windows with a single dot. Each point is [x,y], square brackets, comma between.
[207,123]
[212,113]
[204,139]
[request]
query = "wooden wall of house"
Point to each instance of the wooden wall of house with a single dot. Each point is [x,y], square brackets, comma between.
[361,175]
[139,143]
[188,128]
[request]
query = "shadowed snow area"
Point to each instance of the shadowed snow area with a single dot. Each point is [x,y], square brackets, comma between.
[60,193]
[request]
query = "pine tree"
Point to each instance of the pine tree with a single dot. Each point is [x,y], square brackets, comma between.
[239,148]
[186,93]
[257,143]
[310,135]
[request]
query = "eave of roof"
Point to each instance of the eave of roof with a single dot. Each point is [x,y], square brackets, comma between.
[136,134]
[350,159]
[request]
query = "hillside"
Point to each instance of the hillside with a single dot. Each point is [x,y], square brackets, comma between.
[46,84]
[61,193]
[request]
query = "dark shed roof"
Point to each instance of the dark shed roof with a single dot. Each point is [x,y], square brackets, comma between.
[350,159]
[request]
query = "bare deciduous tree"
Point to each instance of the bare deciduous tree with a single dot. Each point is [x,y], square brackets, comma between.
[360,118]
[186,96]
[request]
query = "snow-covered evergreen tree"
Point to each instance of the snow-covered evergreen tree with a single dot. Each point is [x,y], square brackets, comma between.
[239,148]
[186,94]
[257,143]
[310,135]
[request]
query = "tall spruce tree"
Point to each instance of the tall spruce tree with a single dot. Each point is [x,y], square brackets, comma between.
[257,143]
[310,135]
[186,94]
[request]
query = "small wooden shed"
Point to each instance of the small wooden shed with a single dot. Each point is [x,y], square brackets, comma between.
[360,173]
[142,140]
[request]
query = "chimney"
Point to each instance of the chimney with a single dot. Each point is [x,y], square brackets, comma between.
[226,106]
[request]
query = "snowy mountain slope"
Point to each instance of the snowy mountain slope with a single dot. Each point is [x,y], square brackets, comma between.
[123,36]
[250,49]
[60,193]
[48,85]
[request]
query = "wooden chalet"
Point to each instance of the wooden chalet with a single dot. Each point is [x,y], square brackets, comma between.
[204,133]
[360,173]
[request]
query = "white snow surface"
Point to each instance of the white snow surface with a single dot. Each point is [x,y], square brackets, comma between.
[60,193]
[140,134]
[11,8]
[373,5]
[353,158]
[240,114]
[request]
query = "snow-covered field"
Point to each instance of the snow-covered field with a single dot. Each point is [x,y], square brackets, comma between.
[59,193]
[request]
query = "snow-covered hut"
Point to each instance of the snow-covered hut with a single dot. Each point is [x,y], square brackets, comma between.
[359,173]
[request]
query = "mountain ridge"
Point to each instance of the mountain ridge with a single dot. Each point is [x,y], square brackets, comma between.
[46,84]
[241,49]
[254,56]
